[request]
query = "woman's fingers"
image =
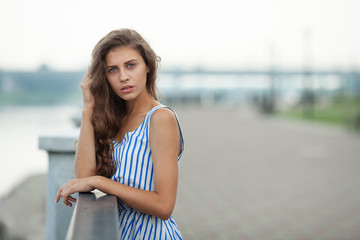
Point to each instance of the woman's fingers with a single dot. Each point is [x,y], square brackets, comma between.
[64,193]
[85,84]
[73,186]
[58,194]
[72,199]
[68,199]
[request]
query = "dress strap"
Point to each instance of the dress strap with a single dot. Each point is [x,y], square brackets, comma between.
[177,119]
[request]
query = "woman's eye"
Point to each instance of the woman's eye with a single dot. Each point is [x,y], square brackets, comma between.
[131,65]
[112,69]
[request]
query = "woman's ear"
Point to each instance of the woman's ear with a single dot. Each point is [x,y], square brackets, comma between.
[147,69]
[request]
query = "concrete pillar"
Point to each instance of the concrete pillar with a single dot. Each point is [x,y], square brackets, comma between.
[60,148]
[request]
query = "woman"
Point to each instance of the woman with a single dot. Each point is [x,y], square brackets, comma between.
[129,144]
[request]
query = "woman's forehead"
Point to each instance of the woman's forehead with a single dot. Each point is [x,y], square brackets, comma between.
[122,55]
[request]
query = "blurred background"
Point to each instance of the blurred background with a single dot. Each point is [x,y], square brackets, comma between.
[267,91]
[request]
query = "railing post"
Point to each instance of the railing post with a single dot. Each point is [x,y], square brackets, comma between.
[61,152]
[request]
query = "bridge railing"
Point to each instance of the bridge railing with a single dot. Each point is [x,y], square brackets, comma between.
[95,217]
[95,214]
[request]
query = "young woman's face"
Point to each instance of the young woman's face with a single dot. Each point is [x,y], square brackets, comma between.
[126,72]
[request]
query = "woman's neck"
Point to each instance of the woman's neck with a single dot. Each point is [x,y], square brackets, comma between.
[141,104]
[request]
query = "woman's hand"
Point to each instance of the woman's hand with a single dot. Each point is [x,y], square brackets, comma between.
[85,156]
[73,186]
[88,98]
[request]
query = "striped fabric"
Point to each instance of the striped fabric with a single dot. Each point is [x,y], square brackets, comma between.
[134,167]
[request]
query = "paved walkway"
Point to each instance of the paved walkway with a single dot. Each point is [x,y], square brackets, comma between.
[247,177]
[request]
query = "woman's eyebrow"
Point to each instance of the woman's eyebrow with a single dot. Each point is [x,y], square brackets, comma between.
[110,66]
[128,61]
[131,60]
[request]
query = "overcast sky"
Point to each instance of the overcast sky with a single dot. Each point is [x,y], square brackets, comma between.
[188,33]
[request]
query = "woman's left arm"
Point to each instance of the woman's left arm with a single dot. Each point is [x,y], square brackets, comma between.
[165,148]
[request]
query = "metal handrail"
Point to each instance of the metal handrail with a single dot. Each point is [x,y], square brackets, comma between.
[95,217]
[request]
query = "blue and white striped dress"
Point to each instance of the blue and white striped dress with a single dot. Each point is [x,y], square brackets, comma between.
[134,167]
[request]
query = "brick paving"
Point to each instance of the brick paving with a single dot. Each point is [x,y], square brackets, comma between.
[243,176]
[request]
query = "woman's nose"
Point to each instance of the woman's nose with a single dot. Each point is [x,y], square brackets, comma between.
[123,76]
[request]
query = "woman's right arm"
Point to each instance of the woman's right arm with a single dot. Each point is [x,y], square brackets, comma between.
[85,160]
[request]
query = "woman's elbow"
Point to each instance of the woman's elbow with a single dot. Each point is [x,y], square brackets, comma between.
[165,216]
[166,212]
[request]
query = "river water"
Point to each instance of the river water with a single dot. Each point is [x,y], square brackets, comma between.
[20,128]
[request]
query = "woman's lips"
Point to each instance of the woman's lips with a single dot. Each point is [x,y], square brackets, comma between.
[127,89]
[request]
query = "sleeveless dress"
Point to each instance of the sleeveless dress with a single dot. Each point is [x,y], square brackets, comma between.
[134,167]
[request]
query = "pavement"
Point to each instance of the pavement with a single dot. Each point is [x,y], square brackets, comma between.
[245,176]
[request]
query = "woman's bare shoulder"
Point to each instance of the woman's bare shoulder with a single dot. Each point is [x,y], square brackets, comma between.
[163,117]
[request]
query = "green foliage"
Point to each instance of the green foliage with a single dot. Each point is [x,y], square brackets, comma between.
[344,111]
[39,98]
[40,88]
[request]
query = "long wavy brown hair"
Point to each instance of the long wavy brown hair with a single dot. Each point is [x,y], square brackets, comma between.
[109,109]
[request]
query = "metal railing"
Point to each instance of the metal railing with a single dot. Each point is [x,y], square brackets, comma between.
[95,217]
